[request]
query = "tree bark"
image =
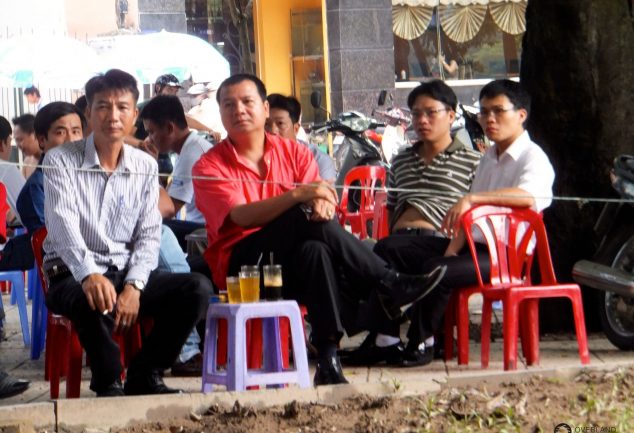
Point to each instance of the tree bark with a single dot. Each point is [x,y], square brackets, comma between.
[240,11]
[577,63]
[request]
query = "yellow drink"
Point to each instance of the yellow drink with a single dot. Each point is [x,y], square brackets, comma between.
[250,286]
[233,290]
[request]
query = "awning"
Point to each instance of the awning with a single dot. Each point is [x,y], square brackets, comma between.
[460,19]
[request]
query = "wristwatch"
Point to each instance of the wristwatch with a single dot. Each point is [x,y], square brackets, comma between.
[137,284]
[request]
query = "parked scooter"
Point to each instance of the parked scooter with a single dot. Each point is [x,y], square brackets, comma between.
[352,147]
[612,269]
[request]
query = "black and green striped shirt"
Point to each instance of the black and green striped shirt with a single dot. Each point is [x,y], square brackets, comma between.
[431,189]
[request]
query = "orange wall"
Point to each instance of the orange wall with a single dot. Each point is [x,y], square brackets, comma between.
[86,19]
[272,21]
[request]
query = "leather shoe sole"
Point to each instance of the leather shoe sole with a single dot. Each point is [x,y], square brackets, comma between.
[10,386]
[328,372]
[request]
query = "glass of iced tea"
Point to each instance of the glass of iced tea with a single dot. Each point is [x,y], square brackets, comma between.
[250,283]
[272,282]
[233,290]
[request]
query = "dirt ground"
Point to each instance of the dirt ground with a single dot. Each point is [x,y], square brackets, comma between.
[592,402]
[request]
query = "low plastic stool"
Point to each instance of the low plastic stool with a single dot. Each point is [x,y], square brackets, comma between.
[16,278]
[236,376]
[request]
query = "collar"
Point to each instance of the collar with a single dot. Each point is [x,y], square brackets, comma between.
[91,159]
[516,148]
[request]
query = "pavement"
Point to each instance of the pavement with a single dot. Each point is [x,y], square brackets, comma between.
[34,411]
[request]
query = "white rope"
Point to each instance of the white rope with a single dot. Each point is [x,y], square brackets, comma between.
[581,200]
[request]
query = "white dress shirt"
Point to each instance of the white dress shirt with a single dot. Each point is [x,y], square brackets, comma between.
[95,221]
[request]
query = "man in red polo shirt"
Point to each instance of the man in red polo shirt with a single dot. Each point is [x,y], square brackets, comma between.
[261,194]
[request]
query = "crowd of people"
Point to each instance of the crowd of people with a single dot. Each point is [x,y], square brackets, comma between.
[115,252]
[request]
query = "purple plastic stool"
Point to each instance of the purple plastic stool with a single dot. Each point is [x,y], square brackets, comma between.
[236,376]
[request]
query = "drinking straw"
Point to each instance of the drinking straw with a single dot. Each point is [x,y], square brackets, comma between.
[259,259]
[271,257]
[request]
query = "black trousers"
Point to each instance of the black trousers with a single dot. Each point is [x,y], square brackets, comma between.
[416,254]
[175,302]
[17,254]
[313,256]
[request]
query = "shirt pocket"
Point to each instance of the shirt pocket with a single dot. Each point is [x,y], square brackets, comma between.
[121,223]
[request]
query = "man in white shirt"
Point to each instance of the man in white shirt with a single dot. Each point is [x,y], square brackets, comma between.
[25,139]
[10,176]
[164,120]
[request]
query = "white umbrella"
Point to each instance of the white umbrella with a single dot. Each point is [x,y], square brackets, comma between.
[149,55]
[48,62]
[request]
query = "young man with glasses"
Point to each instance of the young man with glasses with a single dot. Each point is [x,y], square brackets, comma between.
[425,180]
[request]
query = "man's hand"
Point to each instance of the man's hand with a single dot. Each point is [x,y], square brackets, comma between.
[323,210]
[100,292]
[318,190]
[148,146]
[451,223]
[127,308]
[216,136]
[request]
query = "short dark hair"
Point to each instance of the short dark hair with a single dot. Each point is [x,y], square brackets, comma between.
[435,89]
[5,129]
[289,104]
[32,90]
[114,79]
[511,89]
[238,78]
[165,108]
[82,103]
[48,114]
[25,122]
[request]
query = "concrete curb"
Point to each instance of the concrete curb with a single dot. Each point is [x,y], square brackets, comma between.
[105,413]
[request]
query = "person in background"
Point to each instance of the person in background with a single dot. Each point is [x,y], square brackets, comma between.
[82,104]
[33,97]
[204,115]
[24,135]
[284,120]
[10,176]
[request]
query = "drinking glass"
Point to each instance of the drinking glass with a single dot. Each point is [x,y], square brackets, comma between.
[250,283]
[272,282]
[233,290]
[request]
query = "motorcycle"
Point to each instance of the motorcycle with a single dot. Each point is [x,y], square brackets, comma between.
[612,269]
[352,144]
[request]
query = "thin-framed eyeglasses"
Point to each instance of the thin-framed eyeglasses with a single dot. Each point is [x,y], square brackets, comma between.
[496,111]
[430,113]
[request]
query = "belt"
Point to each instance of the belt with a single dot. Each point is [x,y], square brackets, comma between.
[419,232]
[56,273]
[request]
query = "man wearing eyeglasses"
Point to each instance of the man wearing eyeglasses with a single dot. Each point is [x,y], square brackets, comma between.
[425,180]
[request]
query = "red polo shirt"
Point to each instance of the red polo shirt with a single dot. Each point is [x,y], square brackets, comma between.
[234,182]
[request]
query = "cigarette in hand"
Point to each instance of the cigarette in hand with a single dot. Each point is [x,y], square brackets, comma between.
[105,312]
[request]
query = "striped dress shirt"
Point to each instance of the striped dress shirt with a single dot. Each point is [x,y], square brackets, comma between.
[95,220]
[433,188]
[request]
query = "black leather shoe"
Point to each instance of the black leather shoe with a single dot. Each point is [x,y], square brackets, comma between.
[191,368]
[115,389]
[148,383]
[399,291]
[417,357]
[10,386]
[328,372]
[368,353]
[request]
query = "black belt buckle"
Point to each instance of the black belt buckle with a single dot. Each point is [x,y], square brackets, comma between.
[56,273]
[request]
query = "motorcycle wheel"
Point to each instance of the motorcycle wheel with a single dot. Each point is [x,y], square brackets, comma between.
[616,312]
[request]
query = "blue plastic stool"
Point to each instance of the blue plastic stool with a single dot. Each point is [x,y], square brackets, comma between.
[236,376]
[39,315]
[16,278]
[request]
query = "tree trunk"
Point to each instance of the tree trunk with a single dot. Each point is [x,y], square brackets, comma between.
[577,63]
[240,12]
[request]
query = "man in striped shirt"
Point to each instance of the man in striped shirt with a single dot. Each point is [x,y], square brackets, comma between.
[104,230]
[425,181]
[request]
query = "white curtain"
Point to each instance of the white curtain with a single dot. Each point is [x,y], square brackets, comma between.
[460,19]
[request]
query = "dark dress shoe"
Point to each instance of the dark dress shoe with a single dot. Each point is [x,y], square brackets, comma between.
[10,386]
[399,291]
[368,353]
[191,368]
[115,389]
[328,372]
[148,383]
[417,357]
